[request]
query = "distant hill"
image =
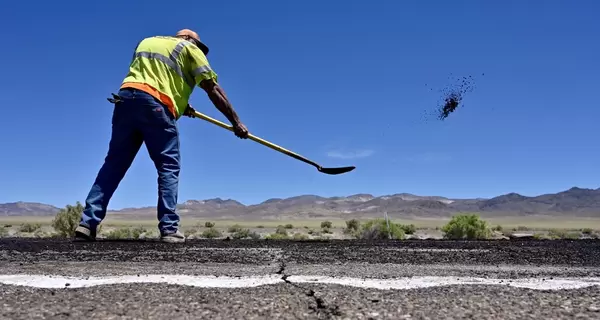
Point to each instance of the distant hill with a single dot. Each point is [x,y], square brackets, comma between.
[27,209]
[575,202]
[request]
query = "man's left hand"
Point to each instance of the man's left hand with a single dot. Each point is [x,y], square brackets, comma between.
[189,111]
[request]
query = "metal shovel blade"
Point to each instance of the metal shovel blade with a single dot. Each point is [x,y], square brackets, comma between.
[336,170]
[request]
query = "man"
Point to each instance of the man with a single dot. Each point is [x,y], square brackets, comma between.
[152,97]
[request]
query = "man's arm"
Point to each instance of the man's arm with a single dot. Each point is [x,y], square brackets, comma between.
[217,95]
[206,79]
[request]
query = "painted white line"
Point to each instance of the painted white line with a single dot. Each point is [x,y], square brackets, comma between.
[426,282]
[435,250]
[45,281]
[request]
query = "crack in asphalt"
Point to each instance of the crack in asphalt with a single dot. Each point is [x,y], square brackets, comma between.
[321,306]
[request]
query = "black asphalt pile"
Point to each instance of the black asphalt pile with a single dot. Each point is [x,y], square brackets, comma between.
[525,252]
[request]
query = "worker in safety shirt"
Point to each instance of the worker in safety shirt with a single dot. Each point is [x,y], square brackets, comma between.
[152,97]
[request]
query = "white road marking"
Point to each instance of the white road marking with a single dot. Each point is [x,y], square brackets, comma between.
[432,281]
[435,250]
[47,281]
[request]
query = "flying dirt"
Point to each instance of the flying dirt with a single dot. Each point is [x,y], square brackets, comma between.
[453,96]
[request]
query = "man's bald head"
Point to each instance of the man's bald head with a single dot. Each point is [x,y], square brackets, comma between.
[192,36]
[187,33]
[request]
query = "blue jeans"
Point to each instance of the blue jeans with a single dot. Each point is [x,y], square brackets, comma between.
[139,118]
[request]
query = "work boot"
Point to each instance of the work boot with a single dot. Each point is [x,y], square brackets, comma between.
[83,233]
[175,237]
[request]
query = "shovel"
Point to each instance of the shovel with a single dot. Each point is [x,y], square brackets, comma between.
[275,147]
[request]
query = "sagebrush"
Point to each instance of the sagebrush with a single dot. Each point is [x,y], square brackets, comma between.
[29,227]
[352,226]
[211,233]
[379,229]
[466,226]
[126,233]
[245,234]
[67,219]
[3,231]
[326,224]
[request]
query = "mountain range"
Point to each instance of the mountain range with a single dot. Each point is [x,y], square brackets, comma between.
[575,202]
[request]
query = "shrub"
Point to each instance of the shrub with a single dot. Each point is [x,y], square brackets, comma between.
[209,224]
[245,233]
[29,227]
[326,231]
[234,228]
[562,234]
[39,233]
[254,236]
[277,236]
[153,233]
[314,233]
[260,227]
[126,233]
[192,230]
[326,224]
[137,232]
[289,226]
[300,236]
[408,228]
[378,229]
[3,231]
[211,233]
[587,231]
[352,225]
[241,234]
[281,230]
[498,228]
[120,233]
[67,219]
[466,226]
[556,234]
[540,236]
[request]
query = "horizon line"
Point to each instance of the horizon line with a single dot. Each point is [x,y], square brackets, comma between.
[329,197]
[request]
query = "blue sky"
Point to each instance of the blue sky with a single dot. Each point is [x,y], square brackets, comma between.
[343,83]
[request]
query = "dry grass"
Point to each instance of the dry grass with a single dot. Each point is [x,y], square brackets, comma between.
[532,223]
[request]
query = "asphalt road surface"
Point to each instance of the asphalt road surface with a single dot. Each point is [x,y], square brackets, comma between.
[247,279]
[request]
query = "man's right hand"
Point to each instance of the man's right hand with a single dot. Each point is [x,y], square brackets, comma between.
[240,130]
